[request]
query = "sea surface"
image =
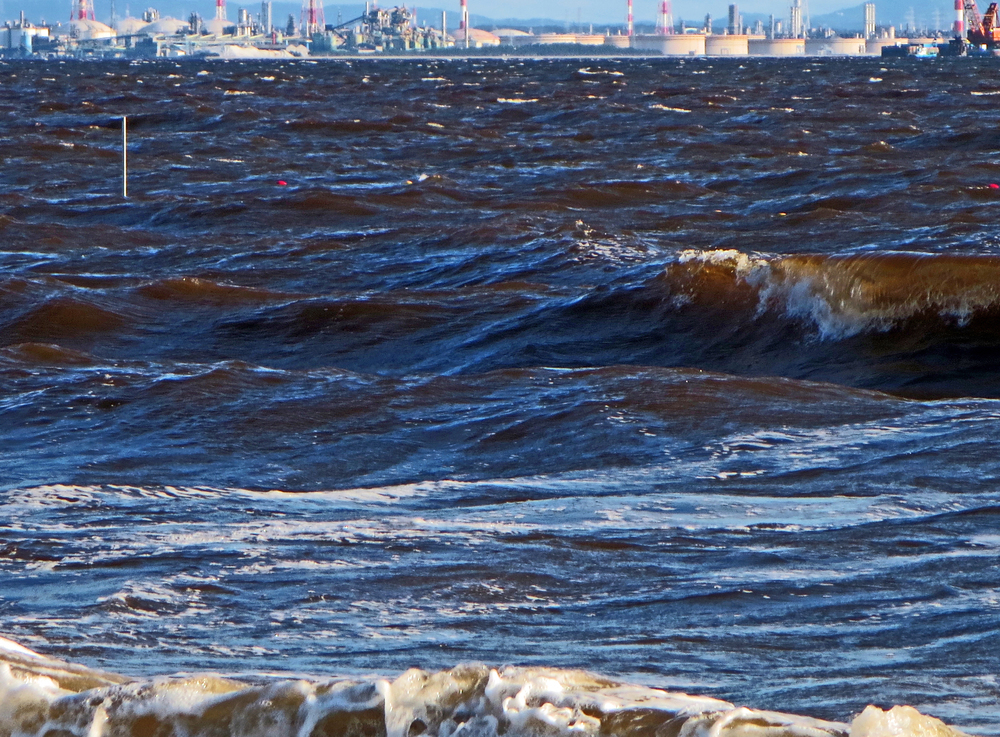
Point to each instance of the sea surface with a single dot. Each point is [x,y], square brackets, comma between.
[541,376]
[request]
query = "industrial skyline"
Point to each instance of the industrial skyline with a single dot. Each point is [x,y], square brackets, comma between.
[598,12]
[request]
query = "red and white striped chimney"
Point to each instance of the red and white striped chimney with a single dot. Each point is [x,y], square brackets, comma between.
[959,19]
[220,9]
[629,17]
[463,24]
[665,26]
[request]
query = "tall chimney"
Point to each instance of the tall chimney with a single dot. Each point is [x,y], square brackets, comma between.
[84,11]
[666,24]
[464,23]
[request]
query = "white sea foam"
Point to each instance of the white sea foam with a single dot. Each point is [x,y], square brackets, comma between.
[899,721]
[470,700]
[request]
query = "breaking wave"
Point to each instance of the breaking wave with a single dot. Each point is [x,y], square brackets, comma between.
[842,296]
[43,697]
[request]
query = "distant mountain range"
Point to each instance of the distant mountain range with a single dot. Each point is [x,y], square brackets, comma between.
[899,13]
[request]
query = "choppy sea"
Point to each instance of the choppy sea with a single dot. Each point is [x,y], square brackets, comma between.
[500,396]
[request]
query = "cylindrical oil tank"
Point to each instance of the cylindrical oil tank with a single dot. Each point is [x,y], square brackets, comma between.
[688,44]
[618,42]
[546,39]
[873,46]
[526,40]
[720,45]
[777,47]
[835,46]
[590,39]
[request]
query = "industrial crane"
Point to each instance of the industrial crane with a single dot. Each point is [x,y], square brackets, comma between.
[983,31]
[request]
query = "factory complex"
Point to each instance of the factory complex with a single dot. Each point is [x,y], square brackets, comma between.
[396,30]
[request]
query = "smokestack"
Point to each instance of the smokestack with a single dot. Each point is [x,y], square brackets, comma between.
[666,24]
[959,19]
[84,11]
[630,18]
[312,17]
[220,9]
[464,23]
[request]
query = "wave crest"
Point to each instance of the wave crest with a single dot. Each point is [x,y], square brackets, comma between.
[842,296]
[40,696]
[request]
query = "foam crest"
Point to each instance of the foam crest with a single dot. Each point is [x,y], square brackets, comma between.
[900,721]
[468,700]
[841,296]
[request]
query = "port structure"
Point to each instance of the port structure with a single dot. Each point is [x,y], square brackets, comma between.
[974,33]
[983,31]
[383,29]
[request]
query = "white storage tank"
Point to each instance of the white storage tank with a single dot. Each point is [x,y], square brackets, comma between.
[777,46]
[511,36]
[688,44]
[546,39]
[166,27]
[724,45]
[478,38]
[130,26]
[835,46]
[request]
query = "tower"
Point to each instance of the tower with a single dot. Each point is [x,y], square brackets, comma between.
[84,11]
[795,19]
[870,20]
[665,25]
[312,17]
[463,24]
[220,9]
[266,16]
[630,18]
[959,27]
[735,27]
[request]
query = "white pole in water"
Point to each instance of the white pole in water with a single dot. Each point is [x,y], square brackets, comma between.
[125,156]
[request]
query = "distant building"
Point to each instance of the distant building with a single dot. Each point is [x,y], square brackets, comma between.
[266,16]
[735,27]
[869,20]
[795,29]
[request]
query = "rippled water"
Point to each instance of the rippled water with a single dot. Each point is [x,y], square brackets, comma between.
[679,371]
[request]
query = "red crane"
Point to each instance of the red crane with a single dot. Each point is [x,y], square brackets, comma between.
[983,31]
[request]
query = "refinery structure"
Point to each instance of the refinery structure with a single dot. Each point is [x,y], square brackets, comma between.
[254,32]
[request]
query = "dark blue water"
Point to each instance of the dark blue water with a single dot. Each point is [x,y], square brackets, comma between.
[683,372]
